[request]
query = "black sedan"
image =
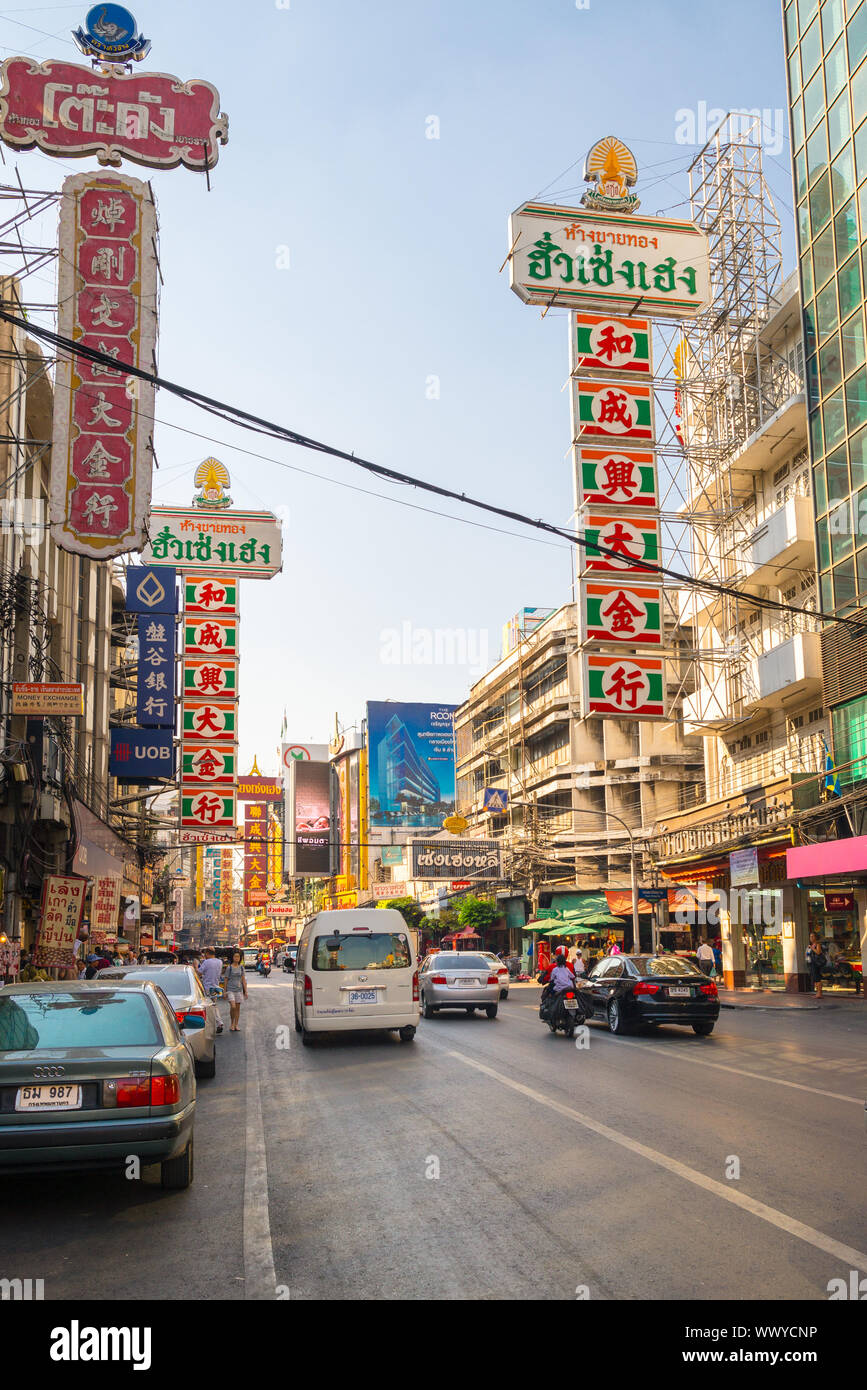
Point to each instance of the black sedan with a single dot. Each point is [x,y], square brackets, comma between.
[628,991]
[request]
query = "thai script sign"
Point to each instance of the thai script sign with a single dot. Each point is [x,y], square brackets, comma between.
[615,263]
[615,478]
[720,832]
[104,907]
[151,118]
[625,686]
[615,613]
[620,345]
[477,860]
[62,909]
[102,452]
[244,544]
[155,679]
[41,698]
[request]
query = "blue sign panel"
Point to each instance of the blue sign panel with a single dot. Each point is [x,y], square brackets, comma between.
[142,755]
[155,692]
[496,801]
[111,32]
[151,589]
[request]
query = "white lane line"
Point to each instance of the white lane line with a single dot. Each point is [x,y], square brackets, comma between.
[259,1279]
[739,1071]
[845,1253]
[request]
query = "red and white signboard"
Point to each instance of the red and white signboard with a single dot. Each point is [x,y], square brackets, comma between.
[384,891]
[62,909]
[102,454]
[631,686]
[151,118]
[104,907]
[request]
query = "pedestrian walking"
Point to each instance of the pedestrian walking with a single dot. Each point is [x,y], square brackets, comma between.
[236,989]
[816,961]
[705,956]
[578,963]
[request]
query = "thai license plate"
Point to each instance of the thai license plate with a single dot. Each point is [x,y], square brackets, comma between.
[679,992]
[362,996]
[48,1098]
[463,984]
[570,1003]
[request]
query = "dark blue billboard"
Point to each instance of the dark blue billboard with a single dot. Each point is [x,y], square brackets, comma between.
[411,763]
[142,755]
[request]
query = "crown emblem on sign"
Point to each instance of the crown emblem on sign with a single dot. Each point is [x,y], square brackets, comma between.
[610,167]
[211,478]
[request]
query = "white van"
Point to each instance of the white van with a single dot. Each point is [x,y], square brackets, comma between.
[356,970]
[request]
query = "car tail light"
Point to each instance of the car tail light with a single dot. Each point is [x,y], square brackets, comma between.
[493,979]
[645,987]
[415,998]
[438,980]
[308,991]
[181,1014]
[130,1091]
[709,988]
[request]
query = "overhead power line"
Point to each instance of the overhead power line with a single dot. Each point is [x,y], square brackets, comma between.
[234,415]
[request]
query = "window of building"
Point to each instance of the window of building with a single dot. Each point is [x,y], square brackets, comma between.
[849,732]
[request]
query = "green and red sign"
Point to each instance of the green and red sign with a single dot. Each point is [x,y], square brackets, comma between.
[615,410]
[614,345]
[207,764]
[208,810]
[210,636]
[631,614]
[625,686]
[209,595]
[616,478]
[214,720]
[217,676]
[620,544]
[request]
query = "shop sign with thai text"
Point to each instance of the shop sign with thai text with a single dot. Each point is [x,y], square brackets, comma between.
[247,545]
[104,908]
[62,909]
[443,859]
[39,699]
[150,118]
[713,834]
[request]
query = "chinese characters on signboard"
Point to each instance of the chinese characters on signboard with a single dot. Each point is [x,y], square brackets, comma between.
[209,718]
[102,454]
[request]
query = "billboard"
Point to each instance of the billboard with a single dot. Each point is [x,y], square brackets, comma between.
[312,829]
[411,763]
[476,860]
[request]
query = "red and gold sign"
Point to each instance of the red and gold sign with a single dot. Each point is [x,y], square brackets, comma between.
[62,908]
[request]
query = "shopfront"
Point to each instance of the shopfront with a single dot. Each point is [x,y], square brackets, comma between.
[834,877]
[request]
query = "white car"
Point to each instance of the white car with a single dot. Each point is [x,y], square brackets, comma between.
[356,971]
[186,995]
[501,970]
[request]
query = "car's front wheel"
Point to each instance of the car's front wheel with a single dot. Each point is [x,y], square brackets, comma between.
[703,1030]
[177,1173]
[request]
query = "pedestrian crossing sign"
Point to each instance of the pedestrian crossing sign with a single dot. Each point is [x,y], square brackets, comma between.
[496,801]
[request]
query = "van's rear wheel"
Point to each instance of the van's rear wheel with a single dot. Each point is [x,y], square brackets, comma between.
[407,1034]
[306,1038]
[297,1025]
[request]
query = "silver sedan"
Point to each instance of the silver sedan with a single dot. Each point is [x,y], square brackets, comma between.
[186,994]
[458,980]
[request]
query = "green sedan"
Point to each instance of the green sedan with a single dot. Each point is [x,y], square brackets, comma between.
[93,1074]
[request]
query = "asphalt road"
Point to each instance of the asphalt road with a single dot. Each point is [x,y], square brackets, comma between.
[487,1159]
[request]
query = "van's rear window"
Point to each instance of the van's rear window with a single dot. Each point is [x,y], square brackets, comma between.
[380,951]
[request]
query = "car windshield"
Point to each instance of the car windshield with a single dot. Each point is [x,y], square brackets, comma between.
[47,1020]
[172,982]
[665,965]
[460,960]
[377,951]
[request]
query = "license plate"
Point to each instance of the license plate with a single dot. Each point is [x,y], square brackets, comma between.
[362,996]
[462,984]
[48,1098]
[679,992]
[570,1003]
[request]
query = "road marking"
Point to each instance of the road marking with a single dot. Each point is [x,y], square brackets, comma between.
[741,1071]
[847,1254]
[259,1278]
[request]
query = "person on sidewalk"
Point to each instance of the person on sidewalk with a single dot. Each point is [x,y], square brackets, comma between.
[816,962]
[236,989]
[705,957]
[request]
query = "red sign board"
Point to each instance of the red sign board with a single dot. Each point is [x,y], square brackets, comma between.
[148,117]
[62,909]
[839,902]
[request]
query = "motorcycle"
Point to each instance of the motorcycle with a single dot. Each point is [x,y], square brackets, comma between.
[264,968]
[563,1011]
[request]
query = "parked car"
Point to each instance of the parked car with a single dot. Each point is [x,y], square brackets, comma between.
[501,970]
[185,992]
[355,971]
[91,1072]
[458,980]
[627,991]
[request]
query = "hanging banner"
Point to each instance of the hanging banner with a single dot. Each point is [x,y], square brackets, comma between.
[632,540]
[155,680]
[246,545]
[614,613]
[618,345]
[150,118]
[612,409]
[102,449]
[61,912]
[624,686]
[104,909]
[615,478]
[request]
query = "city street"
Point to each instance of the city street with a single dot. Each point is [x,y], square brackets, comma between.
[487,1159]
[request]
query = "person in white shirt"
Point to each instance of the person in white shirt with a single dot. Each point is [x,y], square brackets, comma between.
[705,957]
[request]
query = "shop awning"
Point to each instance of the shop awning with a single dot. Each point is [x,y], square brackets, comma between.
[620,902]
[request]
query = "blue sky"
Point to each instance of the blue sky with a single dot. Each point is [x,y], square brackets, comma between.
[394,242]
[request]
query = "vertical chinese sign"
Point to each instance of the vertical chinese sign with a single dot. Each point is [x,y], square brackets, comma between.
[209,710]
[263,851]
[102,452]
